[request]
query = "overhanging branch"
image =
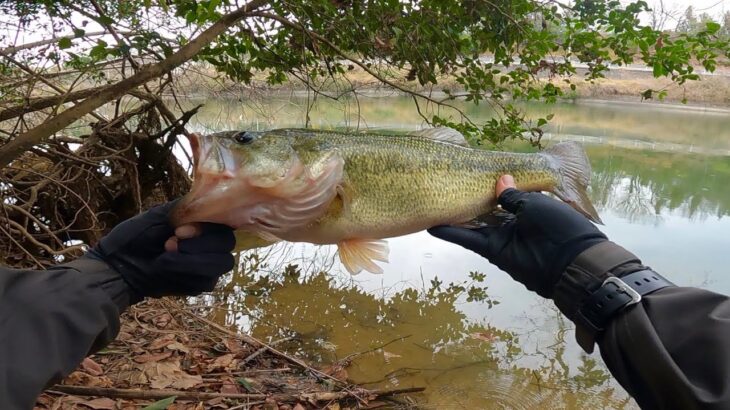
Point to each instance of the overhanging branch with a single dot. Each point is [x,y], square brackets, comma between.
[38,134]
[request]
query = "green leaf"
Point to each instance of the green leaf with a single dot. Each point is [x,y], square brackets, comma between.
[713,27]
[246,384]
[213,5]
[658,70]
[65,43]
[79,32]
[161,404]
[106,20]
[541,122]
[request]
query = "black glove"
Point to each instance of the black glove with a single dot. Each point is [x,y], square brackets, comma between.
[536,246]
[136,249]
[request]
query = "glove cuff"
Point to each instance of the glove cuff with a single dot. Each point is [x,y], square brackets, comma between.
[585,275]
[105,277]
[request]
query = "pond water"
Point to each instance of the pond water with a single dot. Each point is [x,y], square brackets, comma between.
[660,184]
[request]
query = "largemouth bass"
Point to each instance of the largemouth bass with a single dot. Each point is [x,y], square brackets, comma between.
[354,190]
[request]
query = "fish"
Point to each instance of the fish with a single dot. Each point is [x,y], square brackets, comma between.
[357,189]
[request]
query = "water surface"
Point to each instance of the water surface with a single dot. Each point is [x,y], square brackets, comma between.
[660,184]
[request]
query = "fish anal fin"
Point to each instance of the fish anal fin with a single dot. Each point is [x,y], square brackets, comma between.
[357,255]
[443,134]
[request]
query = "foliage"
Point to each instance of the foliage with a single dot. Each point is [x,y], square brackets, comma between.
[498,52]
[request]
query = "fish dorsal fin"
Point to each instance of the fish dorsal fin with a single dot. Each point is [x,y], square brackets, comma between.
[444,134]
[359,254]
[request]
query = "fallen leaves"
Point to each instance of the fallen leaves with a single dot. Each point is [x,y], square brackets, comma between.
[92,367]
[152,357]
[166,348]
[225,362]
[81,378]
[102,403]
[169,375]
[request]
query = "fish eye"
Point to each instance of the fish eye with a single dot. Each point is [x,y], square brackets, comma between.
[243,137]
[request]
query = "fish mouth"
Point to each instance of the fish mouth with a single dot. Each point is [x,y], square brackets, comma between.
[213,167]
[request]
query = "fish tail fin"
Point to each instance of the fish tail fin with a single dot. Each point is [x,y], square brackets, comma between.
[574,177]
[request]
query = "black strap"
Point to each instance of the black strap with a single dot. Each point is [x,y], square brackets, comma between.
[616,294]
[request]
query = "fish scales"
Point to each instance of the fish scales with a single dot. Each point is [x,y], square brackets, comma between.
[389,174]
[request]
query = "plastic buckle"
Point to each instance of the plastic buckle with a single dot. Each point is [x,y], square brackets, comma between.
[623,288]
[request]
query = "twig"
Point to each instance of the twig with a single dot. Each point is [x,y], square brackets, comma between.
[250,372]
[265,348]
[255,342]
[52,40]
[149,394]
[351,356]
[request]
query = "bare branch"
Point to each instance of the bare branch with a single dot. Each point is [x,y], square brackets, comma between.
[52,40]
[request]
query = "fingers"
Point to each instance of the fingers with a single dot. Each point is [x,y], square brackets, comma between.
[212,238]
[171,244]
[504,182]
[182,232]
[188,231]
[473,240]
[204,265]
[508,195]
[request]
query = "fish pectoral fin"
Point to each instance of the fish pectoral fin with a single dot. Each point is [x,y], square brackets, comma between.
[443,134]
[359,254]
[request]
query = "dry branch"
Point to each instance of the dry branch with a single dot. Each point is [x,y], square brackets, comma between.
[41,43]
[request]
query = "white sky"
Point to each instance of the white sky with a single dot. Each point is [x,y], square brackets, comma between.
[715,8]
[676,8]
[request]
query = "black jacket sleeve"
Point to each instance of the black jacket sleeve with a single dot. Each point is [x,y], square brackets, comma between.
[671,351]
[50,321]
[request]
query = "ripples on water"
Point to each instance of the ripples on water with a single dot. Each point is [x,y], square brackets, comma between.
[660,183]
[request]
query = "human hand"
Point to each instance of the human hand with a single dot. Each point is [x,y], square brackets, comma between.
[537,245]
[155,259]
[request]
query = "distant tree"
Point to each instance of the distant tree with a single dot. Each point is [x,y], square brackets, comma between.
[688,23]
[726,25]
[660,15]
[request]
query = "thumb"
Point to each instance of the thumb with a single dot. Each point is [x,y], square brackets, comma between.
[508,195]
[470,239]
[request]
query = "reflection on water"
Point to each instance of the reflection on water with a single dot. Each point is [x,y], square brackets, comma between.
[414,337]
[484,341]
